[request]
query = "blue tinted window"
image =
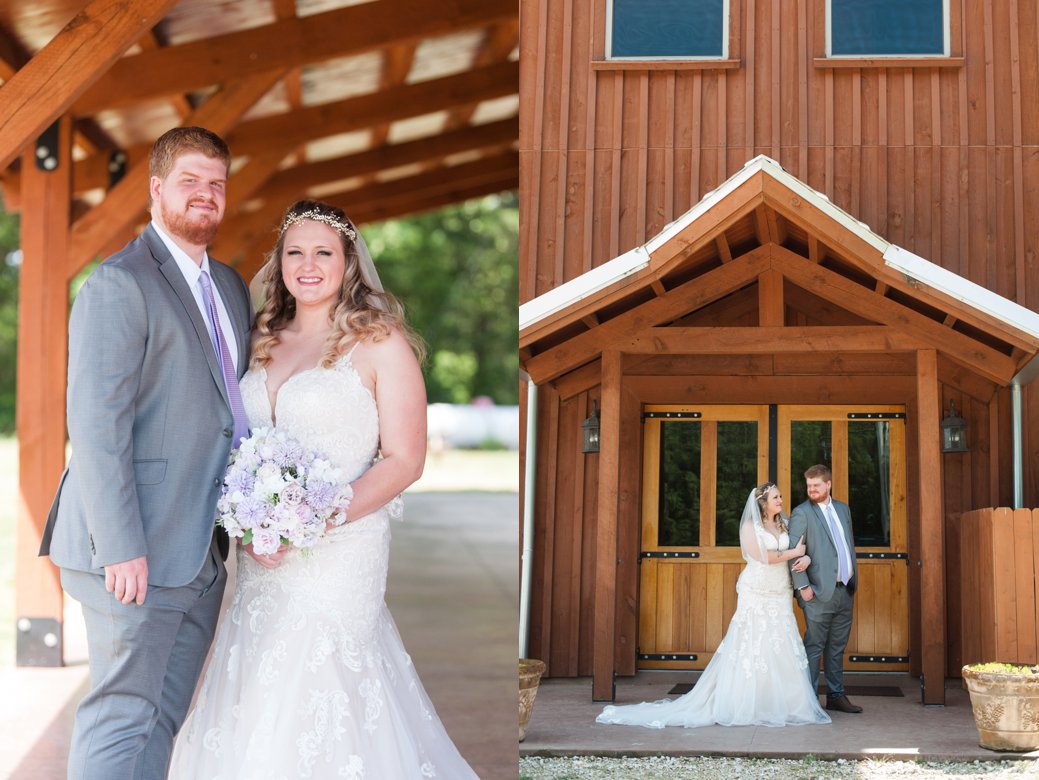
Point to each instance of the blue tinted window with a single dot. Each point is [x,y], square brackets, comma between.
[891,27]
[668,28]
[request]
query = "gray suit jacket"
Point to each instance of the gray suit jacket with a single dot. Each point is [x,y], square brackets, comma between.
[148,417]
[807,520]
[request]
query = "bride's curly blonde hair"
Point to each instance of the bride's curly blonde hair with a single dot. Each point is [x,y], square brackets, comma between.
[360,314]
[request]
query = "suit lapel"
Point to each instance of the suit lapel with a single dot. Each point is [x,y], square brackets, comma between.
[173,275]
[821,517]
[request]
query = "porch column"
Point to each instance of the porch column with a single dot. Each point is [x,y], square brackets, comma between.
[932,526]
[42,364]
[604,620]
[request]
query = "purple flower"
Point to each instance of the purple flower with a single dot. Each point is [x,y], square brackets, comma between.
[240,480]
[292,494]
[320,495]
[251,512]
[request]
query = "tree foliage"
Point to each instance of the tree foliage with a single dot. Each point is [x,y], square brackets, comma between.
[457,271]
[8,317]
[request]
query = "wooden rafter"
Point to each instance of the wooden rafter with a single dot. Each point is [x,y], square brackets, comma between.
[309,124]
[284,44]
[766,340]
[861,300]
[396,65]
[293,182]
[77,56]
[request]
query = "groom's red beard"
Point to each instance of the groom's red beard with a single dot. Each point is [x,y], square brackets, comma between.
[199,231]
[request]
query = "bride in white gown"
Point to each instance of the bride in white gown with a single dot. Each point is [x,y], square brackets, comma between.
[308,676]
[759,673]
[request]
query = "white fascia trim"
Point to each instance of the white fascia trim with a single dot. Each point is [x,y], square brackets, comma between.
[767,165]
[637,259]
[576,289]
[974,295]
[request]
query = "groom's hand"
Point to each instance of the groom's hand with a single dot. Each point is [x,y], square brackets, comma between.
[128,581]
[807,593]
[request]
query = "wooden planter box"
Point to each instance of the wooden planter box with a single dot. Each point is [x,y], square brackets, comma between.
[999,558]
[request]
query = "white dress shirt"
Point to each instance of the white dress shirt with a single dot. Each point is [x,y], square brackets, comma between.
[192,273]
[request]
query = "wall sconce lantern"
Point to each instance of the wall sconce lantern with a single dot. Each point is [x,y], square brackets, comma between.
[954,431]
[590,429]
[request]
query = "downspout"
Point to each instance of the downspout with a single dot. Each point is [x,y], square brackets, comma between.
[529,478]
[1022,378]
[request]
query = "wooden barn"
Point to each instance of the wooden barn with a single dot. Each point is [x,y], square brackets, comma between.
[756,236]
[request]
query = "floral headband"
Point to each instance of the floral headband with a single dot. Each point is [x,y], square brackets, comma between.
[761,492]
[333,222]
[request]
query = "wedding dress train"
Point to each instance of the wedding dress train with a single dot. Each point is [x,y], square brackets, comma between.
[759,673]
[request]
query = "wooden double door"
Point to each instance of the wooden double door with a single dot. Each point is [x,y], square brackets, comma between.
[700,463]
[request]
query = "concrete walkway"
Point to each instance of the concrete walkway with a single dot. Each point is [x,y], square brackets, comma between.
[453,594]
[563,723]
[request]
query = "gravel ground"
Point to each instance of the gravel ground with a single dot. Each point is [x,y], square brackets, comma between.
[808,768]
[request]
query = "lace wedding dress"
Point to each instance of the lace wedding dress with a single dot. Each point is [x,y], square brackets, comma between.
[309,677]
[758,675]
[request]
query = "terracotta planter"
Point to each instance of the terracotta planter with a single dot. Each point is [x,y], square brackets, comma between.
[530,672]
[1006,709]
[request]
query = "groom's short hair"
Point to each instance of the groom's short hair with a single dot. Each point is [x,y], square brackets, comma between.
[819,471]
[183,140]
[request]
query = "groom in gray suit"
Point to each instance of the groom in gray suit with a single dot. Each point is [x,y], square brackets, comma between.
[158,338]
[826,590]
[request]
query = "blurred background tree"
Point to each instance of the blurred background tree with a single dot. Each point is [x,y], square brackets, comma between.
[456,270]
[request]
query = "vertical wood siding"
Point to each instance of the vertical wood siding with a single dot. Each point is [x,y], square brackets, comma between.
[943,161]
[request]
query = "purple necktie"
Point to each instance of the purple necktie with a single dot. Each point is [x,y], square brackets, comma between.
[843,575]
[234,394]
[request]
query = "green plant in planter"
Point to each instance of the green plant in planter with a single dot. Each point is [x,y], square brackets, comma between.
[1005,701]
[997,668]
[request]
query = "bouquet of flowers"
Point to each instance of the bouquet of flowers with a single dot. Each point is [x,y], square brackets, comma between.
[277,492]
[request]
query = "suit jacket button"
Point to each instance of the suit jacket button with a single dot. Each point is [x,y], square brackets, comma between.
[228,432]
[216,483]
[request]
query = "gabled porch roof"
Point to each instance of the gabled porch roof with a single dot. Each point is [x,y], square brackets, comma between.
[763,226]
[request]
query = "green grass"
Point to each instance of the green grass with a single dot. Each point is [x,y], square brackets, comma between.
[454,470]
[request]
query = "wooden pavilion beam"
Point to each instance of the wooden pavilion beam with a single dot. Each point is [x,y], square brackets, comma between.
[931,555]
[499,42]
[127,200]
[294,182]
[284,44]
[51,81]
[277,137]
[396,65]
[42,355]
[411,100]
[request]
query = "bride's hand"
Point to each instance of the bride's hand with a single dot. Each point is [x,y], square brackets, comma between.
[802,563]
[799,548]
[269,561]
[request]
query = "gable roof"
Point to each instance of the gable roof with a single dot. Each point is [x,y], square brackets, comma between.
[814,243]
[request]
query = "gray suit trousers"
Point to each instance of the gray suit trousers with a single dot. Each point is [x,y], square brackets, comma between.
[144,664]
[826,636]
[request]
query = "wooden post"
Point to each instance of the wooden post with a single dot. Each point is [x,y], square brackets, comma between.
[932,527]
[605,618]
[42,366]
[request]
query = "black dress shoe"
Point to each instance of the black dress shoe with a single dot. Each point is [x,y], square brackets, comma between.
[842,705]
